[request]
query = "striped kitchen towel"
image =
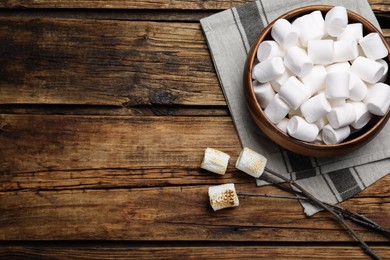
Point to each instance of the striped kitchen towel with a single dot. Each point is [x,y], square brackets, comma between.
[229,35]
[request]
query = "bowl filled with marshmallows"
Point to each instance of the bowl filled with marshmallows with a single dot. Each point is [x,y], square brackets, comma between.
[316,83]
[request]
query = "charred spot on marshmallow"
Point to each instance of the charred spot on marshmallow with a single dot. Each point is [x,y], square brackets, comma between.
[223,196]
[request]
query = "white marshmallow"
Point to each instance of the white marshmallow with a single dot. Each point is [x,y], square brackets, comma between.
[300,129]
[284,33]
[308,29]
[320,123]
[279,81]
[269,49]
[223,196]
[215,161]
[276,110]
[373,46]
[363,116]
[337,84]
[251,162]
[297,61]
[357,88]
[294,92]
[341,116]
[336,20]
[320,51]
[378,99]
[345,50]
[368,70]
[282,125]
[269,69]
[337,102]
[315,108]
[315,80]
[339,66]
[386,66]
[353,31]
[335,136]
[319,21]
[264,93]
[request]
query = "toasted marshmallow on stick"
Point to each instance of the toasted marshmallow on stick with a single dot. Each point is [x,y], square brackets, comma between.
[251,162]
[215,161]
[223,196]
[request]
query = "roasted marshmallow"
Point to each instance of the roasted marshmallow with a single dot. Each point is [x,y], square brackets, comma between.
[251,162]
[215,161]
[300,129]
[294,92]
[223,196]
[297,61]
[269,69]
[378,99]
[373,46]
[264,93]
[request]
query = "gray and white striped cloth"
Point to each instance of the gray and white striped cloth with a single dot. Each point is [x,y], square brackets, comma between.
[229,35]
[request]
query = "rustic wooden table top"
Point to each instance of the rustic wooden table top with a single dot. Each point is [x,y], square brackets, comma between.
[106,108]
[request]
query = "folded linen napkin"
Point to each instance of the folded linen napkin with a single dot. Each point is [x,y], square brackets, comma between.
[229,35]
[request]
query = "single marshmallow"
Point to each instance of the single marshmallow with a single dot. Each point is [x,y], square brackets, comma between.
[223,196]
[315,80]
[339,66]
[368,70]
[363,116]
[345,50]
[279,81]
[294,92]
[284,33]
[353,31]
[297,61]
[320,123]
[269,69]
[269,49]
[276,110]
[300,129]
[251,162]
[264,93]
[320,51]
[335,136]
[315,108]
[386,66]
[378,99]
[282,125]
[341,116]
[319,21]
[337,84]
[373,46]
[336,20]
[215,161]
[308,29]
[357,88]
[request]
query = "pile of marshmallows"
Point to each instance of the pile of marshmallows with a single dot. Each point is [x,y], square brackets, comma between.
[319,76]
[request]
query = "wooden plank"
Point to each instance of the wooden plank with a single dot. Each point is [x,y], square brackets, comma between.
[376,5]
[190,252]
[138,178]
[64,61]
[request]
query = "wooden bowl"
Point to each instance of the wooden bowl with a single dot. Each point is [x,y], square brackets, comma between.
[353,142]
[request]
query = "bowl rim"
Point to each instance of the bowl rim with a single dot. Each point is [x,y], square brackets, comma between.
[357,141]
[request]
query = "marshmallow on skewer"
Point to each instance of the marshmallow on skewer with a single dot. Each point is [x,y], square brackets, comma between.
[282,125]
[341,116]
[373,46]
[276,110]
[339,66]
[269,49]
[264,93]
[363,116]
[294,92]
[251,163]
[297,61]
[345,50]
[357,88]
[335,136]
[321,51]
[284,33]
[368,70]
[315,80]
[353,31]
[215,161]
[223,196]
[337,84]
[378,99]
[386,66]
[315,108]
[308,28]
[269,69]
[336,20]
[300,129]
[279,81]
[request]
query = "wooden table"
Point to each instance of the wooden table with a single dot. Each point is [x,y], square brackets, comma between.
[106,108]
